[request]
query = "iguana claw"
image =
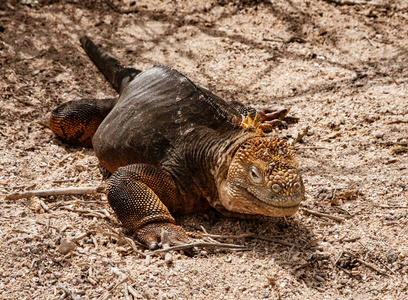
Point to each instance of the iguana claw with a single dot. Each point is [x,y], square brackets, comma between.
[151,234]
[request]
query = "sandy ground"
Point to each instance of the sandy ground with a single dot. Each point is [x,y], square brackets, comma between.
[342,69]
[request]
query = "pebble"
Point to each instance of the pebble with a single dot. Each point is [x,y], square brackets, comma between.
[105,262]
[85,268]
[168,259]
[35,250]
[392,257]
[66,246]
[116,271]
[57,274]
[378,135]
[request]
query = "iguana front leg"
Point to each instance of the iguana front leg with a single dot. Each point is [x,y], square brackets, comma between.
[135,193]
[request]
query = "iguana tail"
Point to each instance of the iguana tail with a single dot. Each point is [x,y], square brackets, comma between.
[109,66]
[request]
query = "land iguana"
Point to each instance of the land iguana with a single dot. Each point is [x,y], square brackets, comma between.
[174,147]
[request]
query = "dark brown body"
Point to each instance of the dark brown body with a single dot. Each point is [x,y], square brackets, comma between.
[158,115]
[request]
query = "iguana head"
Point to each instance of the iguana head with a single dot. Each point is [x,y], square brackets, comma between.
[263,179]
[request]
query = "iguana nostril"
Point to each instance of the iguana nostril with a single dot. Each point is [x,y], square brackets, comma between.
[276,188]
[296,186]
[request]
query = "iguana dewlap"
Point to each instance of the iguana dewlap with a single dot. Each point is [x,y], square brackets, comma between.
[174,147]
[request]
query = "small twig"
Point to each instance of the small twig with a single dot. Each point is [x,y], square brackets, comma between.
[311,147]
[378,259]
[200,244]
[349,240]
[375,268]
[398,122]
[65,180]
[80,237]
[253,236]
[95,242]
[86,212]
[320,214]
[273,40]
[108,294]
[44,206]
[391,206]
[369,41]
[338,258]
[356,2]
[129,241]
[209,237]
[20,187]
[133,292]
[55,192]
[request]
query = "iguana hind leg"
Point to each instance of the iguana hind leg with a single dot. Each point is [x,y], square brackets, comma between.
[135,193]
[75,122]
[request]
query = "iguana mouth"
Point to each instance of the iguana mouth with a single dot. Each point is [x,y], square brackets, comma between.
[272,202]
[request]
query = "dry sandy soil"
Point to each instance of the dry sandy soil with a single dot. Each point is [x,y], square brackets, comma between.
[342,69]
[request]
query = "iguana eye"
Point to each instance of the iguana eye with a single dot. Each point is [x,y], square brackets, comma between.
[255,174]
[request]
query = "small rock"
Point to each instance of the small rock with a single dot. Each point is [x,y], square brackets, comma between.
[168,259]
[85,268]
[208,283]
[35,205]
[36,280]
[105,262]
[148,295]
[392,257]
[256,266]
[147,260]
[35,250]
[116,271]
[378,135]
[334,135]
[66,246]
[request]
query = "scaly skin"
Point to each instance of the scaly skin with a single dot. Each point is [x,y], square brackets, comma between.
[263,179]
[186,157]
[75,122]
